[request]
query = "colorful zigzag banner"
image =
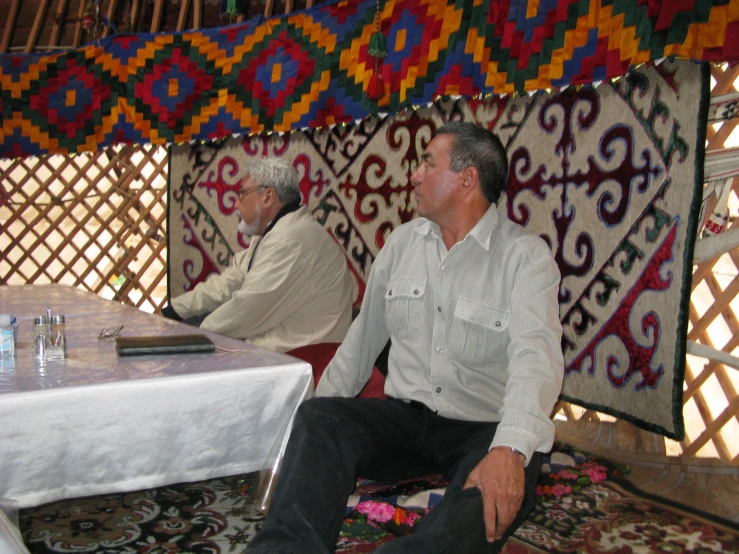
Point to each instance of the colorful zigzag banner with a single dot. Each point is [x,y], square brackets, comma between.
[311,69]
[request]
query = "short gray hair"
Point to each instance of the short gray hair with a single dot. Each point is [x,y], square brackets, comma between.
[277,174]
[475,146]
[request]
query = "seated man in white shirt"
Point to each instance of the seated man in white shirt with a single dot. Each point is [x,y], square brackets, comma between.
[291,287]
[469,299]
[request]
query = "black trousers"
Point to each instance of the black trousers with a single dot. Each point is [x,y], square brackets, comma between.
[335,439]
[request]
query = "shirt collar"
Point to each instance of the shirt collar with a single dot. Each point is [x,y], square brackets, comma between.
[423,226]
[483,229]
[481,232]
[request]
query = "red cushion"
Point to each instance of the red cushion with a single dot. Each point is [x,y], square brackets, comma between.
[319,355]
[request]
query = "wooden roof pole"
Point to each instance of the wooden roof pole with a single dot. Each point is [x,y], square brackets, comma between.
[111,14]
[9,25]
[36,29]
[182,19]
[269,6]
[56,30]
[156,19]
[288,7]
[134,15]
[197,15]
[78,26]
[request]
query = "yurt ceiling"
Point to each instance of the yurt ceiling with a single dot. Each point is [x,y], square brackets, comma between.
[40,25]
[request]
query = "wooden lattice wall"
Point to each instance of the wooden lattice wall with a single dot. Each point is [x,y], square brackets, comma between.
[94,221]
[710,397]
[98,222]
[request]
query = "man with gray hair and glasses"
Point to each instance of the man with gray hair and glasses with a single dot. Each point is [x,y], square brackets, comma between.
[469,300]
[291,287]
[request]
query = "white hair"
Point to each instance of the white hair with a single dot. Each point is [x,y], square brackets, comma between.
[277,174]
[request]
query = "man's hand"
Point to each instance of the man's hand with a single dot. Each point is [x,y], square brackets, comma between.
[500,478]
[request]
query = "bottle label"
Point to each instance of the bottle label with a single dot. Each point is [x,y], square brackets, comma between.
[7,341]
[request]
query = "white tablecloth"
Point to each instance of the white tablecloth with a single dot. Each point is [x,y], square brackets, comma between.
[98,423]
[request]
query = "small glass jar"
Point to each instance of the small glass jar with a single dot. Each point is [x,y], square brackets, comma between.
[40,336]
[57,348]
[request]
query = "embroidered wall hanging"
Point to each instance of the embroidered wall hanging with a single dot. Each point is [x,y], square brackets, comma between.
[610,177]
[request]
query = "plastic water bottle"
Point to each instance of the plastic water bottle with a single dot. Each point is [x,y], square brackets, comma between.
[7,341]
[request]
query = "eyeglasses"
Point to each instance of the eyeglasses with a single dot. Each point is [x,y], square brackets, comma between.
[243,193]
[106,333]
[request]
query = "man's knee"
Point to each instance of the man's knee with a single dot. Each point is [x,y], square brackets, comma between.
[317,409]
[329,418]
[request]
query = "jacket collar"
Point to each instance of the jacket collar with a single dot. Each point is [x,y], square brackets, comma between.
[286,209]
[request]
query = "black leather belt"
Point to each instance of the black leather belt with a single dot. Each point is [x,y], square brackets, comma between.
[415,404]
[419,405]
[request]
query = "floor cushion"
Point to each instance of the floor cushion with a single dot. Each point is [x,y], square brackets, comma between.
[319,355]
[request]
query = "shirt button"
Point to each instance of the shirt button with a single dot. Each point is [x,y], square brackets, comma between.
[443,268]
[415,292]
[497,323]
[439,349]
[438,389]
[439,308]
[390,292]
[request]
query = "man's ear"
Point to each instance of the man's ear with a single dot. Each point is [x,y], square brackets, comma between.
[471,178]
[269,196]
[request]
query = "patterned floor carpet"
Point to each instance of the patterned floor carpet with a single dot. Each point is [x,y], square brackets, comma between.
[583,505]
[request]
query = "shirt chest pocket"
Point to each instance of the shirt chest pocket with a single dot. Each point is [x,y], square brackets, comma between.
[404,307]
[479,333]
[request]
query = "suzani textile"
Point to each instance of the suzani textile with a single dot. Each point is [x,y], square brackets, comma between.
[607,176]
[311,69]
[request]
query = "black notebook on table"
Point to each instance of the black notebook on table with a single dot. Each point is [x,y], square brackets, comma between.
[168,344]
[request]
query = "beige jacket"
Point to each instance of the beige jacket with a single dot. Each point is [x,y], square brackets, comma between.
[298,291]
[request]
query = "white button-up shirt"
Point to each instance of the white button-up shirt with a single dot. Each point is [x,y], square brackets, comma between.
[475,329]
